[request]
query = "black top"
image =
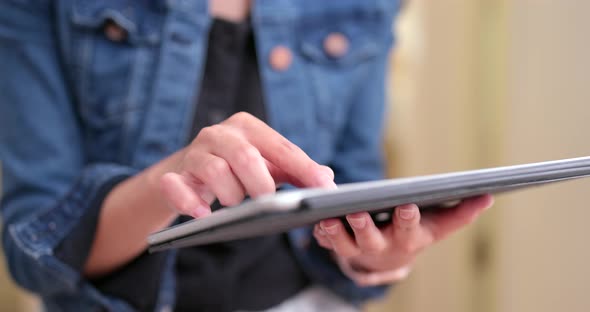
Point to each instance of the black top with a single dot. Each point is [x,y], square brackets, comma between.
[250,274]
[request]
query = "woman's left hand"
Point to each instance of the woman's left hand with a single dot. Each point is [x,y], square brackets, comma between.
[376,256]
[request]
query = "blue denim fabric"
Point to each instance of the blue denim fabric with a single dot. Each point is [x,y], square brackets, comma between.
[78,110]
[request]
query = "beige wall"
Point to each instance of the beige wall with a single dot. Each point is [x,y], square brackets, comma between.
[480,83]
[543,241]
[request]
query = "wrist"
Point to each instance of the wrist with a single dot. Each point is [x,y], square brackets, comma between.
[365,276]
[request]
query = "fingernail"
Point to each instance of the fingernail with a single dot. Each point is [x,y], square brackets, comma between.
[357,222]
[330,229]
[327,170]
[406,213]
[325,181]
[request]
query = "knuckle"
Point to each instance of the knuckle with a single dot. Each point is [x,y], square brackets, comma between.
[165,181]
[406,226]
[240,118]
[246,155]
[409,247]
[208,134]
[192,156]
[374,248]
[216,168]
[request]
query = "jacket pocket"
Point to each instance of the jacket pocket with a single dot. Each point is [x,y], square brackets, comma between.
[112,43]
[362,36]
[339,48]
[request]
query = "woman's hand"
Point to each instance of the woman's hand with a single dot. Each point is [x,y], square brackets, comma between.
[238,157]
[379,256]
[243,156]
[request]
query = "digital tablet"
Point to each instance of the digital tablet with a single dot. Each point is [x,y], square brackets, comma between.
[290,209]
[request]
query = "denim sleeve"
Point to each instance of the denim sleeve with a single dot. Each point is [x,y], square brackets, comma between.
[145,270]
[358,157]
[46,184]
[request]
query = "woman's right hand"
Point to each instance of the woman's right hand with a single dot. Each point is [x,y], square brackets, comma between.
[238,157]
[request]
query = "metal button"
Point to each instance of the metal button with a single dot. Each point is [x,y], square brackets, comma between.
[280,58]
[114,32]
[336,45]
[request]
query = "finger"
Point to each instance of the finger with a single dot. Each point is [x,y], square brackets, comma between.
[321,237]
[407,231]
[443,223]
[281,152]
[216,173]
[368,237]
[182,197]
[280,176]
[244,159]
[343,244]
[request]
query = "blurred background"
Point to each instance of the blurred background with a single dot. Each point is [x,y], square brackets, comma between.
[478,83]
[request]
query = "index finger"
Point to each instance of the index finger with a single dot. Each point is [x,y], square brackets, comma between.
[282,153]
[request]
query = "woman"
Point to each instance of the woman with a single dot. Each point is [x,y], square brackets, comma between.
[120,118]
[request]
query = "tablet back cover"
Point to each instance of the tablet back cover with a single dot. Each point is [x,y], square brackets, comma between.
[379,195]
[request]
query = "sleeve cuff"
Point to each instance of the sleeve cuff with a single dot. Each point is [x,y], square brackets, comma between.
[145,270]
[38,236]
[65,232]
[74,249]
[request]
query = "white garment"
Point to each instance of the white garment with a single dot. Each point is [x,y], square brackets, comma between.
[314,299]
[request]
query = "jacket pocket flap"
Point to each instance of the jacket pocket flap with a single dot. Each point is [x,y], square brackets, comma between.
[366,34]
[140,22]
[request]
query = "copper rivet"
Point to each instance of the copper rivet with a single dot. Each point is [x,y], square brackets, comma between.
[336,44]
[280,58]
[114,32]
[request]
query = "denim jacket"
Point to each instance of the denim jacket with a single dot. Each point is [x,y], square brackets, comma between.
[81,107]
